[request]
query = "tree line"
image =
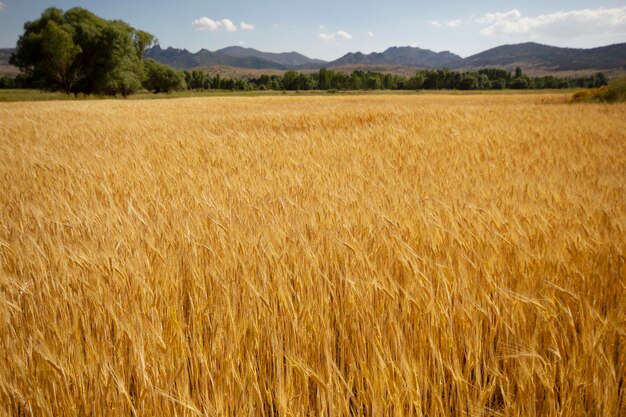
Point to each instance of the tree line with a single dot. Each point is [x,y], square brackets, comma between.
[326,79]
[79,52]
[159,78]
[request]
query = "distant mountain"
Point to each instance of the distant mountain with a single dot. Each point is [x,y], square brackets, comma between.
[183,59]
[406,56]
[288,59]
[5,55]
[533,56]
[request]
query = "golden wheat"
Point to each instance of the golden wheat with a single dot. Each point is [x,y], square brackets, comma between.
[331,256]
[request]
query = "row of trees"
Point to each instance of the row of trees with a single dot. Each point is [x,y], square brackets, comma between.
[159,78]
[325,79]
[79,52]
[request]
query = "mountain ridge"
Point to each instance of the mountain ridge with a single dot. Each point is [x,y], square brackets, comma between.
[399,55]
[182,59]
[290,59]
[529,56]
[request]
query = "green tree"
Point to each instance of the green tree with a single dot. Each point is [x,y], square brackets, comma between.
[160,78]
[373,81]
[356,80]
[58,53]
[217,82]
[276,83]
[498,84]
[290,79]
[519,83]
[79,52]
[305,82]
[143,41]
[468,82]
[416,82]
[324,79]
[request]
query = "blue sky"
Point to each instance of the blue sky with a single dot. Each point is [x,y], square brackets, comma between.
[327,29]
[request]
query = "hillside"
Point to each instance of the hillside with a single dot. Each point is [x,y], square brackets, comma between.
[5,68]
[183,59]
[5,55]
[404,56]
[290,59]
[534,56]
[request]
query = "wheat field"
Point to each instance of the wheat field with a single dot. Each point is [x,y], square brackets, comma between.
[425,255]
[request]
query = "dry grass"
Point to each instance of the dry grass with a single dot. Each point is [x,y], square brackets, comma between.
[366,256]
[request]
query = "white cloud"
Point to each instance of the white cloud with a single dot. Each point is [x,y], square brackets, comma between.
[450,23]
[498,17]
[322,27]
[562,24]
[228,25]
[370,34]
[343,35]
[246,26]
[204,23]
[242,43]
[2,6]
[337,35]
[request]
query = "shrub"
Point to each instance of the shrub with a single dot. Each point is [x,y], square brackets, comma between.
[614,92]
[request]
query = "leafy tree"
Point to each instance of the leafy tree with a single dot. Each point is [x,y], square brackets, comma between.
[197,80]
[123,71]
[519,83]
[356,80]
[7,82]
[599,80]
[143,41]
[484,83]
[498,84]
[79,52]
[305,82]
[161,78]
[324,79]
[58,53]
[276,83]
[217,82]
[468,82]
[243,85]
[373,81]
[389,82]
[340,81]
[290,79]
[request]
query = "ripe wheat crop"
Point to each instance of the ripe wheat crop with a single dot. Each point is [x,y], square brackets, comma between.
[313,256]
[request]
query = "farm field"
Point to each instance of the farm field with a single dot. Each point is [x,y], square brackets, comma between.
[379,255]
[19,95]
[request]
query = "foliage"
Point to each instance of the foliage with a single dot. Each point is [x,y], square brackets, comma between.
[79,52]
[614,92]
[326,79]
[160,78]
